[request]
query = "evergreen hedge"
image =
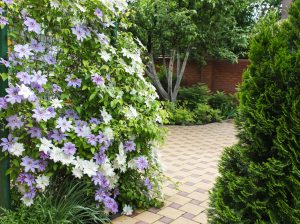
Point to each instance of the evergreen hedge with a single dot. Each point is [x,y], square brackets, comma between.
[260,176]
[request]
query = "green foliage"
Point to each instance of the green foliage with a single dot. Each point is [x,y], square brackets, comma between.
[65,201]
[195,94]
[211,27]
[204,114]
[227,104]
[197,105]
[259,180]
[179,114]
[153,26]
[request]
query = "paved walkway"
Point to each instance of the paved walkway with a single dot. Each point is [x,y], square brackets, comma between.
[190,155]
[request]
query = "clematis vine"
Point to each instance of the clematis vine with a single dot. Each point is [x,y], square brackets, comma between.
[69,104]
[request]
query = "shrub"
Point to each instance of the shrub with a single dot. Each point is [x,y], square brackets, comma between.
[259,180]
[66,200]
[179,114]
[78,101]
[227,104]
[193,95]
[204,114]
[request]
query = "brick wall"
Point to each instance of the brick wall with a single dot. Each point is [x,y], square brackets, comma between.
[217,74]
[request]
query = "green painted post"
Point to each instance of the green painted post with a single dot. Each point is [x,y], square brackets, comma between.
[4,162]
[114,32]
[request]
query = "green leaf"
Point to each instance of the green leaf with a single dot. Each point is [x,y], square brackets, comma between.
[85,62]
[4,76]
[93,96]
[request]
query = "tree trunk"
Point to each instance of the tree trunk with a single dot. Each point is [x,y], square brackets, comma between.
[285,7]
[170,93]
[180,75]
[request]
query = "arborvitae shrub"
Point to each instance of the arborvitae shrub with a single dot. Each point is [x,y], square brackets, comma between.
[260,176]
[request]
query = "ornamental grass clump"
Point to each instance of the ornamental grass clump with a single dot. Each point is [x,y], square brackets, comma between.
[79,103]
[259,180]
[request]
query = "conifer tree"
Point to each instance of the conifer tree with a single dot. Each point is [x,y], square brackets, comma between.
[260,176]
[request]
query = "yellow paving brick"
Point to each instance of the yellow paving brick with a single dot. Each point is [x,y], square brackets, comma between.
[179,199]
[124,220]
[191,208]
[198,196]
[171,212]
[148,217]
[182,220]
[201,218]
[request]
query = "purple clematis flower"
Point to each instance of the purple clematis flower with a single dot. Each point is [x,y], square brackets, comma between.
[129,146]
[13,95]
[39,78]
[80,32]
[94,121]
[23,51]
[98,13]
[44,156]
[92,139]
[29,164]
[3,103]
[38,87]
[101,137]
[63,124]
[99,158]
[37,46]
[148,184]
[50,59]
[41,114]
[30,194]
[14,122]
[100,195]
[100,180]
[35,132]
[110,204]
[73,81]
[69,148]
[141,163]
[24,77]
[26,178]
[42,165]
[51,112]
[71,114]
[58,136]
[4,62]
[8,2]
[8,142]
[97,79]
[102,38]
[32,25]
[56,88]
[3,21]
[116,192]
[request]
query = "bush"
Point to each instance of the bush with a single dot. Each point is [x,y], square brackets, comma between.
[259,180]
[66,201]
[193,95]
[179,114]
[78,101]
[205,114]
[227,104]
